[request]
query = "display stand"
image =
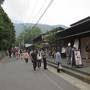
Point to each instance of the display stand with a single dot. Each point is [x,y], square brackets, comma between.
[78,59]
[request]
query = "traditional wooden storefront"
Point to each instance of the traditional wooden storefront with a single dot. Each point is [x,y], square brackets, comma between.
[48,39]
[41,40]
[79,34]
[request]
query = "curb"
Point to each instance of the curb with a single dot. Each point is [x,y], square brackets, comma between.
[76,74]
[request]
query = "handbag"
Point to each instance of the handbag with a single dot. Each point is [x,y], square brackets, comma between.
[60,66]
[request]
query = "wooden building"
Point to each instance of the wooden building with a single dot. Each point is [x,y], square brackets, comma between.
[47,38]
[79,34]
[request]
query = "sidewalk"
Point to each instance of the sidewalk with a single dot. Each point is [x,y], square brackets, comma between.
[84,69]
[81,73]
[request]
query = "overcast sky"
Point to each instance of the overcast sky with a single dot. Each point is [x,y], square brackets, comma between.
[63,12]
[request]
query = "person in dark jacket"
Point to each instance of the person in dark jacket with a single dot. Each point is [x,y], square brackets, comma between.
[10,52]
[34,59]
[44,56]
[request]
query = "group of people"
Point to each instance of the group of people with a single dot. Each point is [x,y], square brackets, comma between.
[36,57]
[15,52]
[70,54]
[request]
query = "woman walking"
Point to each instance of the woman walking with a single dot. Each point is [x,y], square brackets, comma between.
[58,60]
[26,56]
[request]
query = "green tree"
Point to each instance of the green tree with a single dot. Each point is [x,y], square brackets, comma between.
[51,37]
[7,32]
[28,35]
[35,32]
[1,1]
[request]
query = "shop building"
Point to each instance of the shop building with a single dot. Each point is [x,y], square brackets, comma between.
[78,34]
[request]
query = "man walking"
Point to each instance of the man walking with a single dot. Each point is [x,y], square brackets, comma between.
[34,59]
[44,59]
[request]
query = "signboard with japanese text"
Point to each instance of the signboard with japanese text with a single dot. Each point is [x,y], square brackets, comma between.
[78,58]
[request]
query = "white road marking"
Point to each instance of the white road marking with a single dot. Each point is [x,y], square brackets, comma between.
[74,81]
[53,82]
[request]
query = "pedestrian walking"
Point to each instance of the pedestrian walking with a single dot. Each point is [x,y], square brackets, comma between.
[34,59]
[10,52]
[44,56]
[21,54]
[13,51]
[39,59]
[26,56]
[58,60]
[17,52]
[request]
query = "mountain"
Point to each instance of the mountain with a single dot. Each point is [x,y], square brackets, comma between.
[19,28]
[22,26]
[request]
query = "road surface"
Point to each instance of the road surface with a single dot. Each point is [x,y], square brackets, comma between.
[17,75]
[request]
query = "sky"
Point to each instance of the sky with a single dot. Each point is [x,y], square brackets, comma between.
[63,12]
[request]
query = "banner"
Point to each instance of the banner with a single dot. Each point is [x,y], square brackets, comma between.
[78,59]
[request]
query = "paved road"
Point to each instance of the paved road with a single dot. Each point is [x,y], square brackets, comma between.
[17,75]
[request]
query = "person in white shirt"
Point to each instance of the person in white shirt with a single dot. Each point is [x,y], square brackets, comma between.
[39,59]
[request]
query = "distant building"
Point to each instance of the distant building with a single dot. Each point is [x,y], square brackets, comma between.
[43,38]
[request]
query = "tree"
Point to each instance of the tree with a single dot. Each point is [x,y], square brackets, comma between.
[28,35]
[35,32]
[1,1]
[7,32]
[51,37]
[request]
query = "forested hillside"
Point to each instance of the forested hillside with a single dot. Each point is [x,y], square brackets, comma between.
[20,27]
